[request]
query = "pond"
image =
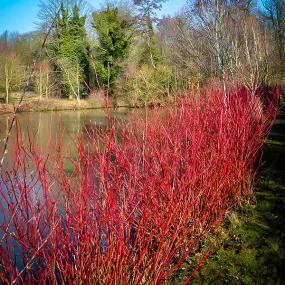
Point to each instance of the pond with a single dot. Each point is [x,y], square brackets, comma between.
[47,125]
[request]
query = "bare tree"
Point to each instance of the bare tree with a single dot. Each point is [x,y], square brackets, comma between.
[224,38]
[45,80]
[49,8]
[71,77]
[12,72]
[275,14]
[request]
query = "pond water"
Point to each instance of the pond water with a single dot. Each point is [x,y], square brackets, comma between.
[47,125]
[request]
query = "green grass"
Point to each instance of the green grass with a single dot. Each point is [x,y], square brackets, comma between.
[254,253]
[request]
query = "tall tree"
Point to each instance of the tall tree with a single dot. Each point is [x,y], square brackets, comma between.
[211,19]
[49,8]
[147,9]
[114,32]
[12,70]
[45,81]
[71,49]
[226,36]
[275,14]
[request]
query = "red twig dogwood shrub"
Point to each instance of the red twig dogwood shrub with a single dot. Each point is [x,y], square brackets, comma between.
[138,199]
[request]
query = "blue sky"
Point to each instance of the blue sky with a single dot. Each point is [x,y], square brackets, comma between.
[20,15]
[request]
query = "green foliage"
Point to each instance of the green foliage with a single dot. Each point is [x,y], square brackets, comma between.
[72,46]
[149,5]
[148,85]
[153,49]
[114,35]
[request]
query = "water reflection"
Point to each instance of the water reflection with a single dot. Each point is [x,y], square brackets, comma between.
[47,128]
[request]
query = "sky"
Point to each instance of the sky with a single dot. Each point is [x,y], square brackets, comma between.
[20,15]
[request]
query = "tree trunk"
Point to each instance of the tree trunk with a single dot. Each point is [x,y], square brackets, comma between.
[47,89]
[7,91]
[78,84]
[7,84]
[41,84]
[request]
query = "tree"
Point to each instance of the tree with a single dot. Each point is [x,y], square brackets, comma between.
[26,45]
[44,80]
[216,37]
[114,32]
[182,49]
[68,44]
[12,71]
[275,14]
[147,9]
[147,85]
[4,41]
[71,48]
[252,50]
[48,10]
[71,77]
[211,19]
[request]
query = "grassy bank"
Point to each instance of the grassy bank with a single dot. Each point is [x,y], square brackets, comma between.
[33,104]
[255,251]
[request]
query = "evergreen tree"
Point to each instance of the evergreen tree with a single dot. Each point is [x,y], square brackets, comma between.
[72,49]
[114,34]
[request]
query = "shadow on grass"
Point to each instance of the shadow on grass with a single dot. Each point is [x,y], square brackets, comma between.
[255,254]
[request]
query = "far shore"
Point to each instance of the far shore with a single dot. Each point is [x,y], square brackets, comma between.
[54,104]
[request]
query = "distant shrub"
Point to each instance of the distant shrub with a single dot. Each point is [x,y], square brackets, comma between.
[147,85]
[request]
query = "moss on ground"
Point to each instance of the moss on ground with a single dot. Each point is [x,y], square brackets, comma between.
[255,251]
